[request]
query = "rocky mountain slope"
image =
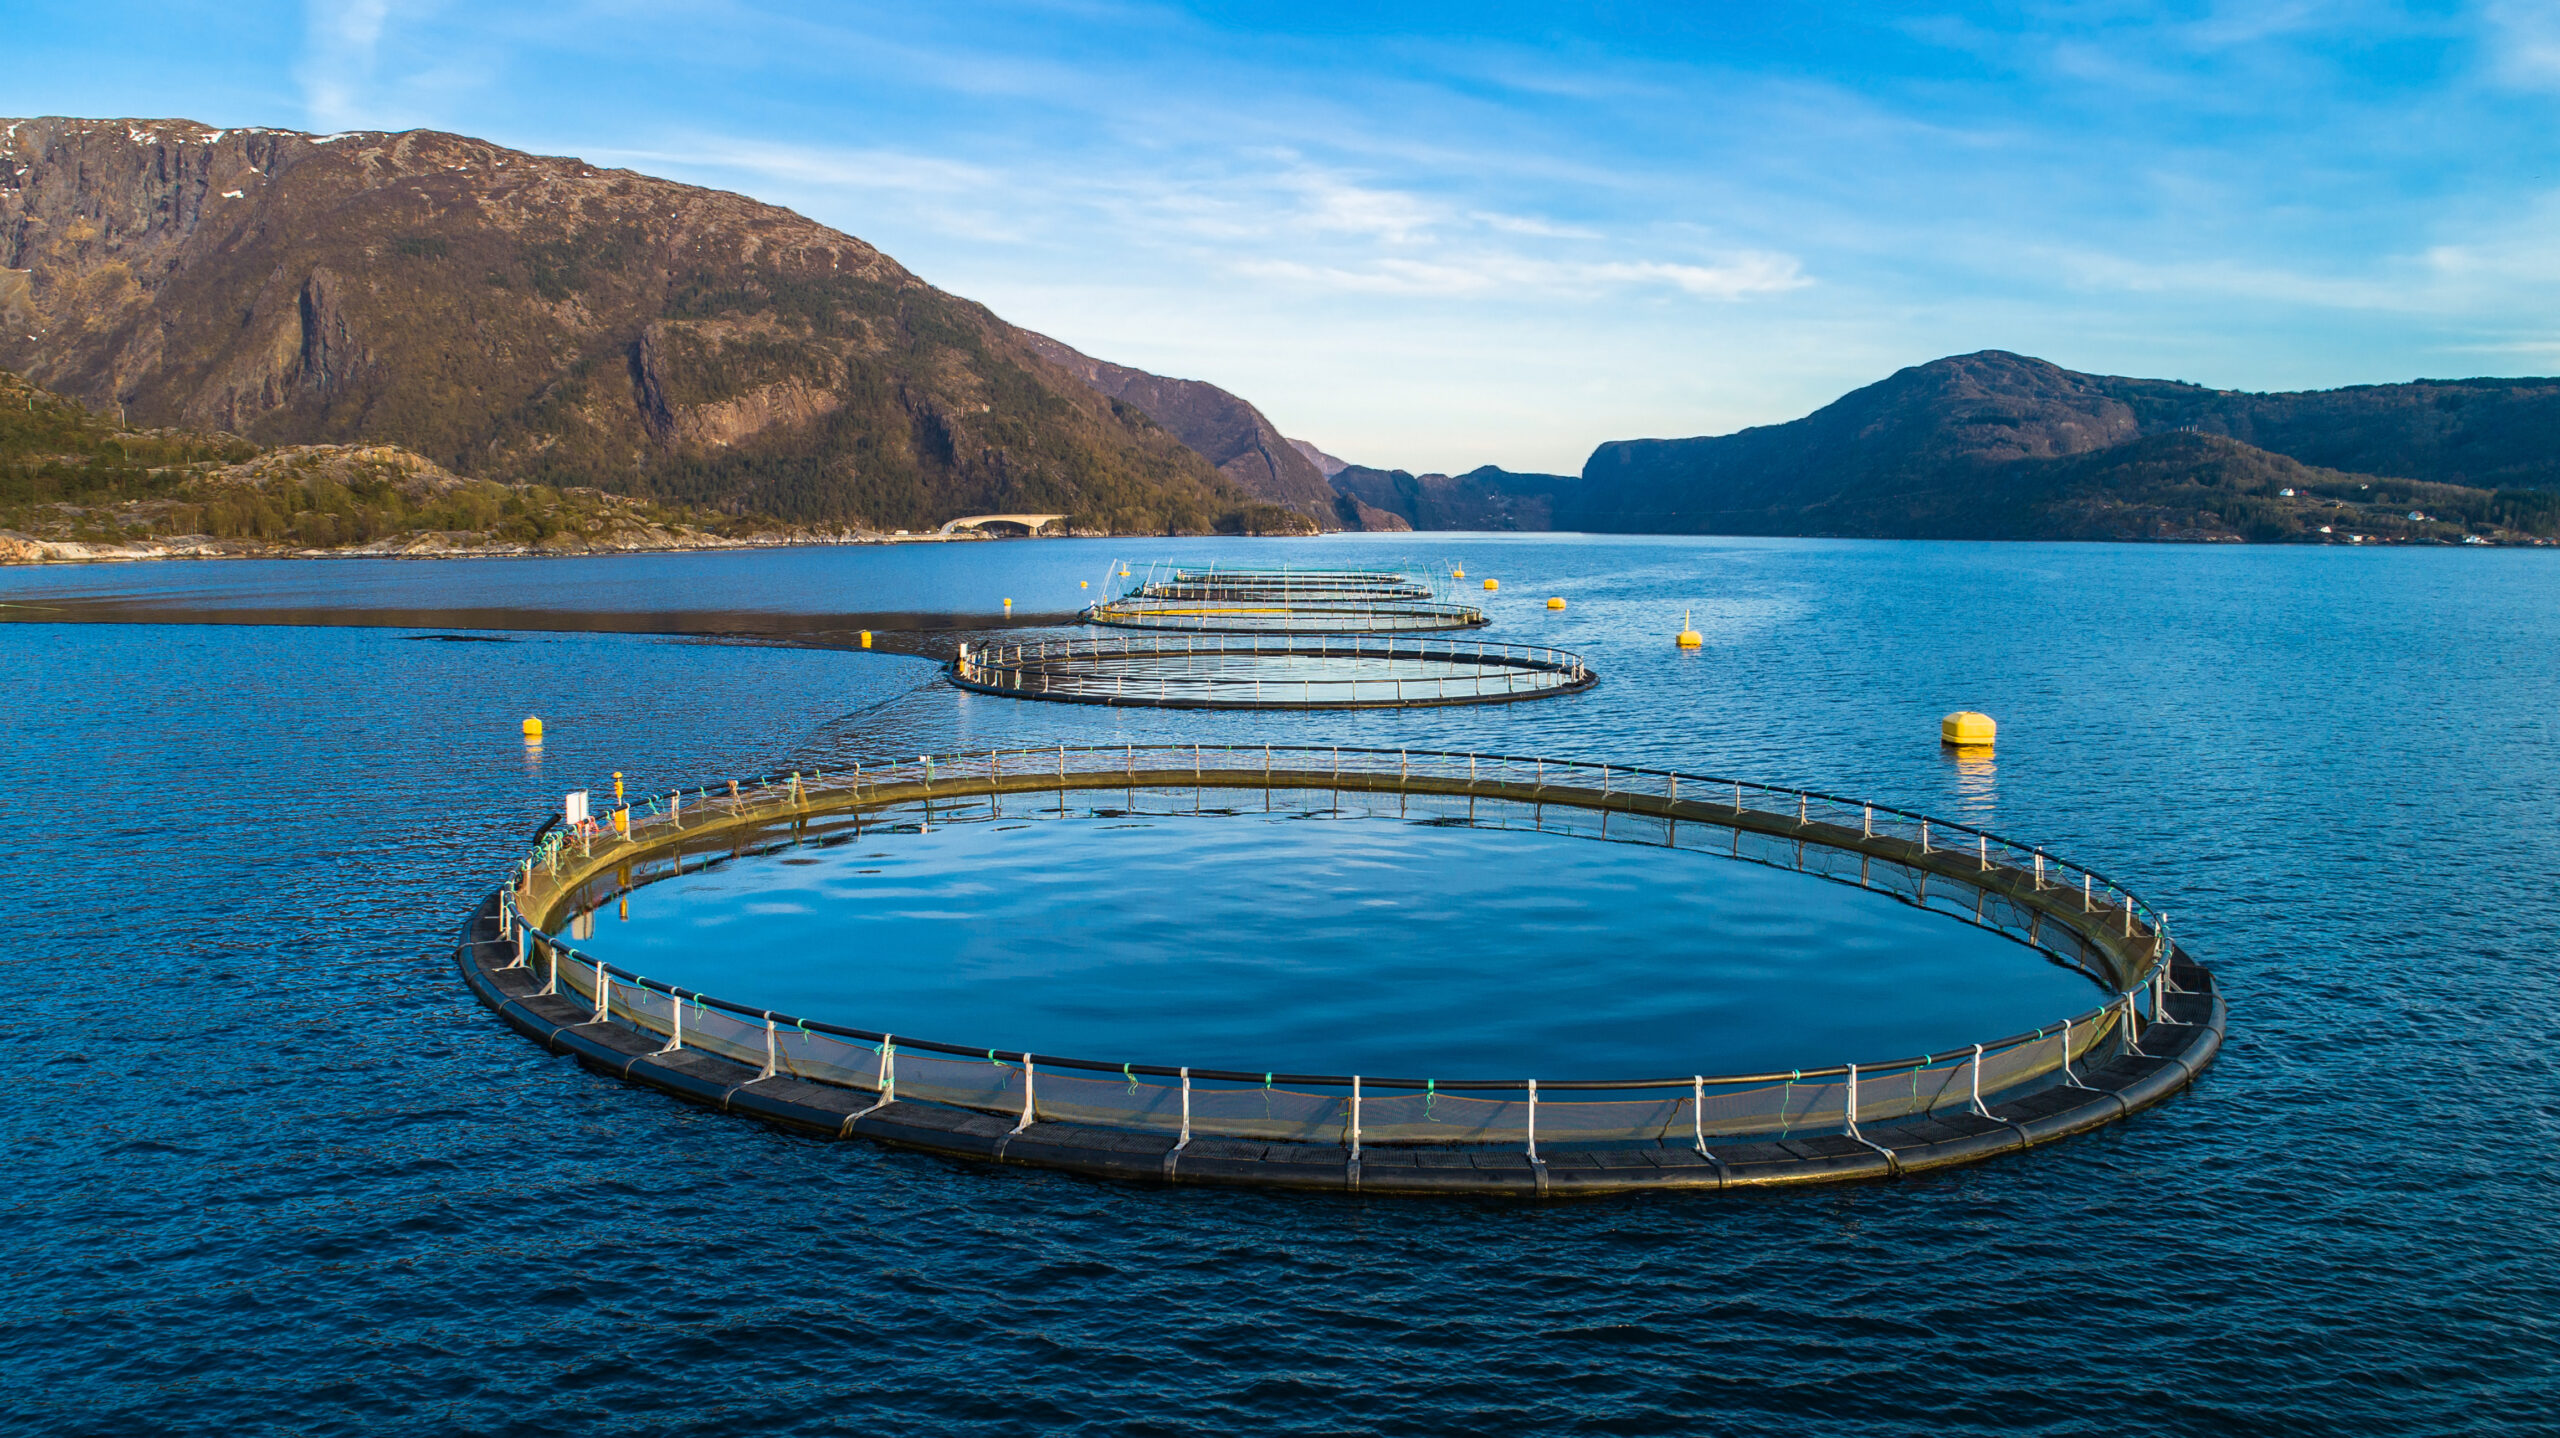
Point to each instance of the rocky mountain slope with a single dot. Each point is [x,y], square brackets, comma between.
[1224,429]
[532,319]
[1326,465]
[2000,445]
[77,486]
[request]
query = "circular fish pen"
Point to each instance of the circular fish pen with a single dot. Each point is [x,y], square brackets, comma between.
[1284,586]
[1275,672]
[1276,616]
[2158,1022]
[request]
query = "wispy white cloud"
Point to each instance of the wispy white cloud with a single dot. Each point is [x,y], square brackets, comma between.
[2524,43]
[1493,274]
[340,41]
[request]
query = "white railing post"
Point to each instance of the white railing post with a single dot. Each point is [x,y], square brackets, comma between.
[1698,1111]
[1355,1117]
[1977,1083]
[675,1024]
[886,1086]
[1533,1123]
[1027,1076]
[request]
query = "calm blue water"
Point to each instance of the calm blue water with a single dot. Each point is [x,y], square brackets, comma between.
[272,1169]
[1332,942]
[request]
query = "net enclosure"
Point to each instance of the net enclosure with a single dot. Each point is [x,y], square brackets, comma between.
[1283,601]
[1331,615]
[1284,586]
[1270,671]
[2156,1020]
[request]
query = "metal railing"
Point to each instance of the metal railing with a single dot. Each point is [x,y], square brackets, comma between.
[1270,672]
[1297,616]
[2070,912]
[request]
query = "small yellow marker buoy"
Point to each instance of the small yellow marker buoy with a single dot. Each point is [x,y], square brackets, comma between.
[1457,574]
[866,639]
[532,727]
[1689,637]
[1493,584]
[617,786]
[1084,584]
[1124,572]
[1008,606]
[1555,603]
[1967,729]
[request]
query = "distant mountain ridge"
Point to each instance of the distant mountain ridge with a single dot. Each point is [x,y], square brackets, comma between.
[1482,498]
[526,318]
[2000,445]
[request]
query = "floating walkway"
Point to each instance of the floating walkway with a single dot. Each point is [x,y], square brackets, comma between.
[1270,672]
[2159,1025]
[1301,616]
[1285,586]
[1284,601]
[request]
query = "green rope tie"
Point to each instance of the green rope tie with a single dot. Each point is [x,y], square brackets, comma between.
[1430,1096]
[999,1063]
[804,1030]
[1132,1078]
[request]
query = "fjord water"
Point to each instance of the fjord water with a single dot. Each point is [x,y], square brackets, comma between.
[272,1168]
[1336,941]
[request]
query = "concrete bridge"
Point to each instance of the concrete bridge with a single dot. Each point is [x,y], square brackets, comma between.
[1027,523]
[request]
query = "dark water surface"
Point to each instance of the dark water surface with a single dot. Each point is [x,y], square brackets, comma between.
[271,1169]
[1335,941]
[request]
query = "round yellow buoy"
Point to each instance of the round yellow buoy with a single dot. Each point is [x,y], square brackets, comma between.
[1457,574]
[1008,604]
[1966,727]
[1124,573]
[1084,584]
[1555,603]
[617,786]
[1688,638]
[532,727]
[866,639]
[1493,584]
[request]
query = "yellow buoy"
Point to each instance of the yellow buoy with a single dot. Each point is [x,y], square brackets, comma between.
[866,639]
[1008,604]
[1689,638]
[1555,604]
[1457,574]
[617,786]
[1124,573]
[1965,727]
[1493,584]
[532,727]
[1084,584]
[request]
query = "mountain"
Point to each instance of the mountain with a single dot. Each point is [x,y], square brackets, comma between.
[2001,445]
[532,319]
[1325,464]
[1483,498]
[1225,430]
[75,485]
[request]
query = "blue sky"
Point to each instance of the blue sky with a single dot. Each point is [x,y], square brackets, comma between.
[1439,235]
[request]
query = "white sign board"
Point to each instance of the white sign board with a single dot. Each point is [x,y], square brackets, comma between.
[573,807]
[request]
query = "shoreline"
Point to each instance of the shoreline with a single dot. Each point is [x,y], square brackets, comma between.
[20,549]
